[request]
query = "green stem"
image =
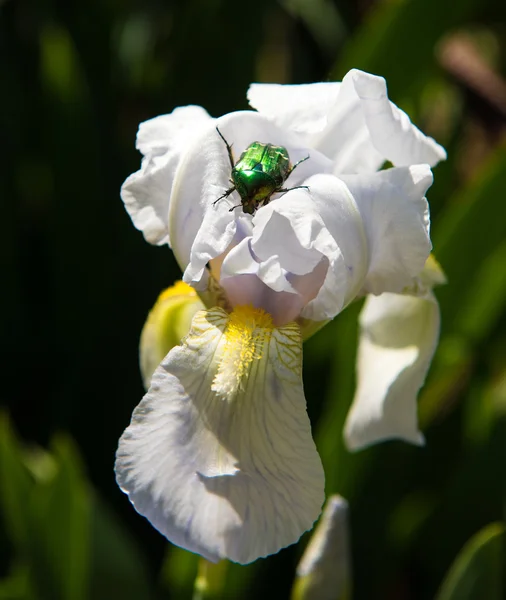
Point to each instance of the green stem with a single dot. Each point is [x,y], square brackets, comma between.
[210,580]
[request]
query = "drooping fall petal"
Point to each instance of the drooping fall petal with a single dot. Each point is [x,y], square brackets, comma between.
[219,454]
[398,337]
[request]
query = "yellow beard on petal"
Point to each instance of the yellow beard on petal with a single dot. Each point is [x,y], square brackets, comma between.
[247,333]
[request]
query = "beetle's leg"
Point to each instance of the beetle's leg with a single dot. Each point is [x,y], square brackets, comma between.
[296,165]
[231,209]
[298,187]
[229,148]
[225,195]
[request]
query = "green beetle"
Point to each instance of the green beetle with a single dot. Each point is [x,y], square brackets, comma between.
[260,172]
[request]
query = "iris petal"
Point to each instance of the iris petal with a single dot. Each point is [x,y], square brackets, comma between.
[147,192]
[395,214]
[219,454]
[398,337]
[353,122]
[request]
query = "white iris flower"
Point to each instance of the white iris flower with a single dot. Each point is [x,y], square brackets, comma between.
[219,454]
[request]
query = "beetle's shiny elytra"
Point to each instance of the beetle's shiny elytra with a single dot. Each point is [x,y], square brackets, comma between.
[260,172]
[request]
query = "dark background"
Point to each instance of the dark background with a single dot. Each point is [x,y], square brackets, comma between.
[78,281]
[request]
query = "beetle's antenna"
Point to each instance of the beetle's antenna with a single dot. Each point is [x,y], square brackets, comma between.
[298,187]
[229,148]
[296,165]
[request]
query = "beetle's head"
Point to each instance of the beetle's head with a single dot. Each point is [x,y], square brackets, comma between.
[248,207]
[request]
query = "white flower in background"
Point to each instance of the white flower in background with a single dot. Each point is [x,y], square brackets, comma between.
[219,454]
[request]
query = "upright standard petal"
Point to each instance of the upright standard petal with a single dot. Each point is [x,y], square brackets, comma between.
[390,128]
[329,118]
[146,193]
[365,129]
[398,337]
[219,454]
[353,122]
[301,108]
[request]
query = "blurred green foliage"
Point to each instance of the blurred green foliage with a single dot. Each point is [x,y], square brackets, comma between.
[477,569]
[65,542]
[78,282]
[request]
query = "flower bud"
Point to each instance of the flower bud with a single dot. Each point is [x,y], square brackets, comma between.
[324,572]
[167,323]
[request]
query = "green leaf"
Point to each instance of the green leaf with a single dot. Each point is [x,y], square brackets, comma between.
[397,40]
[16,586]
[118,567]
[45,503]
[61,525]
[485,300]
[179,571]
[15,487]
[478,569]
[469,243]
[343,470]
[66,540]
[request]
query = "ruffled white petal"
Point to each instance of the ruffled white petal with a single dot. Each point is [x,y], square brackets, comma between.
[322,260]
[346,140]
[201,230]
[300,108]
[329,118]
[353,122]
[147,192]
[391,131]
[219,455]
[398,337]
[396,218]
[339,211]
